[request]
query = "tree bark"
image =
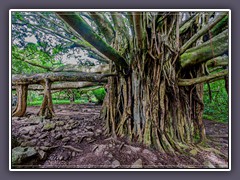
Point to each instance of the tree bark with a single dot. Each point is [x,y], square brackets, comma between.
[46,108]
[59,76]
[21,106]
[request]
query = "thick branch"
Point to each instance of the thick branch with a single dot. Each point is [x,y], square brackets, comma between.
[79,25]
[104,26]
[61,86]
[59,76]
[208,50]
[204,30]
[218,61]
[189,82]
[137,21]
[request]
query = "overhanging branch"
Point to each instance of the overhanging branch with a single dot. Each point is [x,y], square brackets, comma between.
[189,82]
[204,52]
[204,30]
[80,26]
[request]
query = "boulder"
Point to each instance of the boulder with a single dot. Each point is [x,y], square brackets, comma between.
[48,126]
[115,164]
[21,153]
[137,164]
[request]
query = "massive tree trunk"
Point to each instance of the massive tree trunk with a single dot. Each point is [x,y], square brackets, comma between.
[21,106]
[157,99]
[149,104]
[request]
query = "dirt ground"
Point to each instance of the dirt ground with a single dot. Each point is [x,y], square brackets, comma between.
[74,138]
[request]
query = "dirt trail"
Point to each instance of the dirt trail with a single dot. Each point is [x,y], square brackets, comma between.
[74,139]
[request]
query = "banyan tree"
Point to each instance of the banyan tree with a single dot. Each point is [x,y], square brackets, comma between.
[161,60]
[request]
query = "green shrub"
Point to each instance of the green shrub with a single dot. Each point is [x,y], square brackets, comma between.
[217,109]
[99,94]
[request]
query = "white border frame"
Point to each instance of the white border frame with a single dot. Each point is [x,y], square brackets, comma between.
[117,10]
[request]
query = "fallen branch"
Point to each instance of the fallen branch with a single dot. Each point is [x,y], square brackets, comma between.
[73,148]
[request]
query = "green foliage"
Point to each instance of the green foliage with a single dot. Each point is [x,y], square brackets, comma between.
[32,53]
[99,94]
[217,109]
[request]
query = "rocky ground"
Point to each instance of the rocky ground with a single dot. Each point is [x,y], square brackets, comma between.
[74,139]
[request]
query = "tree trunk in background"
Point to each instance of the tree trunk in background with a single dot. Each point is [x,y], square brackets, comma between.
[46,108]
[20,109]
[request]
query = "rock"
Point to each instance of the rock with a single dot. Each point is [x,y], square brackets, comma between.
[32,142]
[37,135]
[137,164]
[115,164]
[16,118]
[87,134]
[59,123]
[149,155]
[58,136]
[21,153]
[208,164]
[42,154]
[65,156]
[134,149]
[110,155]
[129,152]
[35,119]
[193,152]
[100,149]
[73,154]
[27,129]
[89,139]
[46,143]
[43,136]
[66,139]
[110,145]
[90,128]
[98,132]
[48,126]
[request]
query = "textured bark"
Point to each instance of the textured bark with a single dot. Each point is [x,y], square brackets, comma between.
[148,105]
[46,108]
[21,106]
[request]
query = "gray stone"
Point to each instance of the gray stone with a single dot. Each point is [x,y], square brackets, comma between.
[98,132]
[46,143]
[42,154]
[134,149]
[16,118]
[90,128]
[149,155]
[137,164]
[60,123]
[110,155]
[208,164]
[21,153]
[48,126]
[115,164]
[73,154]
[100,149]
[66,139]
[43,136]
[27,129]
[58,136]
